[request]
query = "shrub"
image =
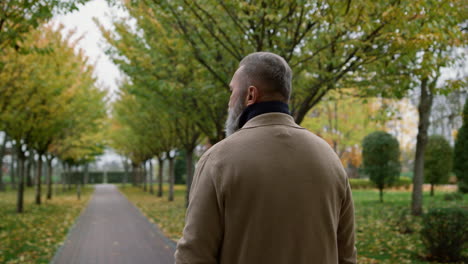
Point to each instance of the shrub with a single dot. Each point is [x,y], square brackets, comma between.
[460,161]
[437,161]
[401,182]
[381,159]
[463,187]
[454,196]
[361,184]
[445,233]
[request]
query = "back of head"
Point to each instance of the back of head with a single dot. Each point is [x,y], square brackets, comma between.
[268,71]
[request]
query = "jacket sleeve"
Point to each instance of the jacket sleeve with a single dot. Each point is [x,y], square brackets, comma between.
[203,231]
[346,236]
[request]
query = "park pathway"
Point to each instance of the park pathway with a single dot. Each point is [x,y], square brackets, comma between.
[112,231]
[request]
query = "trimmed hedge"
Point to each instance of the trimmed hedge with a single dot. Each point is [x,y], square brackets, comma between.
[454,196]
[78,177]
[73,177]
[445,233]
[401,182]
[95,177]
[361,184]
[116,177]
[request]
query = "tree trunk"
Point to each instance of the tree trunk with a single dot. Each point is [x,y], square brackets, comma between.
[2,154]
[134,174]
[145,176]
[38,179]
[44,171]
[171,178]
[189,163]
[20,197]
[125,179]
[29,166]
[302,110]
[69,177]
[424,110]
[86,175]
[381,194]
[139,181]
[78,182]
[49,178]
[13,171]
[151,173]
[64,176]
[432,189]
[140,176]
[160,176]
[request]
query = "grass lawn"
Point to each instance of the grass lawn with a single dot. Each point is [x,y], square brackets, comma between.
[169,216]
[386,232]
[34,236]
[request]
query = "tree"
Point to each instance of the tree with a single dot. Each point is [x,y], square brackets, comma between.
[18,106]
[426,71]
[327,43]
[460,161]
[142,128]
[50,101]
[343,121]
[418,69]
[437,161]
[177,81]
[57,72]
[381,159]
[383,48]
[19,17]
[175,90]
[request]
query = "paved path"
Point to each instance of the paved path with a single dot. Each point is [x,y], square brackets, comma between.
[112,231]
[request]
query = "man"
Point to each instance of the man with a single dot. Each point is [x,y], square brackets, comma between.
[271,192]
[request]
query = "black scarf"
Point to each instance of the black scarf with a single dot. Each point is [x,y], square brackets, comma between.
[262,108]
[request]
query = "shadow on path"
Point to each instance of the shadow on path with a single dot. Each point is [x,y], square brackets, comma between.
[112,230]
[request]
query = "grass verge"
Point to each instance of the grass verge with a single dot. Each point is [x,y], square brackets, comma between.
[168,216]
[385,232]
[34,236]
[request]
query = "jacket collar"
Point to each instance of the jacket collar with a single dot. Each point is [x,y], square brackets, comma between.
[269,119]
[262,108]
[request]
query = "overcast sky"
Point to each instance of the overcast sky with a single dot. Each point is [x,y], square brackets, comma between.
[92,43]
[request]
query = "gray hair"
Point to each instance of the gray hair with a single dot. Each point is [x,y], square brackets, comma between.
[268,69]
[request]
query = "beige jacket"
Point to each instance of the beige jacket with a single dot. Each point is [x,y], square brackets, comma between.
[272,192]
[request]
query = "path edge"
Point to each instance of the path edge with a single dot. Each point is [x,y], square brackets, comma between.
[59,250]
[168,241]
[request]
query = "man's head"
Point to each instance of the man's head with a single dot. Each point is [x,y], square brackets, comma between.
[261,77]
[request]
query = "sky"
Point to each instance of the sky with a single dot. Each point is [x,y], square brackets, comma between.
[92,42]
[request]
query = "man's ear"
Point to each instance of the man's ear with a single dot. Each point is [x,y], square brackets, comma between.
[252,95]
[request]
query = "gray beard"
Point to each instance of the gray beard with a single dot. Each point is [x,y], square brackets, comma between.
[234,114]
